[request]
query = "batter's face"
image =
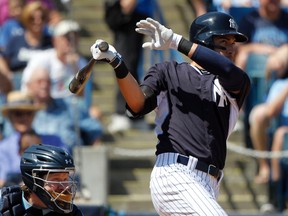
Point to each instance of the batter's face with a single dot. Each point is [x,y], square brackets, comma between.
[228,42]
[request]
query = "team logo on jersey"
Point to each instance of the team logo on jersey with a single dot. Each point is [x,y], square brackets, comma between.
[219,95]
[233,24]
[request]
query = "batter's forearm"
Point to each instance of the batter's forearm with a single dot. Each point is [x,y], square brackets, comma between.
[131,92]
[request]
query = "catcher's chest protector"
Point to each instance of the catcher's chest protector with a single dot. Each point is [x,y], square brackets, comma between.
[11,201]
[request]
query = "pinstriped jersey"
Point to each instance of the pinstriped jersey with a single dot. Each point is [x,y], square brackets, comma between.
[195,114]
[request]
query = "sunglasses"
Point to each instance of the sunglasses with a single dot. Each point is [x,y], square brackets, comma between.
[32,19]
[22,113]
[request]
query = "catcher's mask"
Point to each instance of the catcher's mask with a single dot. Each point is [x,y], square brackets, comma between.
[39,164]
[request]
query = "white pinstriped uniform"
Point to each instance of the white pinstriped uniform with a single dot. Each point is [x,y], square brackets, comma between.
[195,114]
[177,189]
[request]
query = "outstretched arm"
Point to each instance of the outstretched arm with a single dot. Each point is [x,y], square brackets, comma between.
[163,38]
[232,78]
[128,86]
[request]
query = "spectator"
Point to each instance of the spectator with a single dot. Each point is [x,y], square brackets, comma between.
[4,11]
[277,146]
[20,112]
[225,5]
[54,15]
[261,116]
[72,123]
[277,63]
[27,139]
[267,30]
[63,61]
[284,3]
[203,6]
[12,27]
[278,174]
[54,10]
[5,88]
[23,47]
[125,34]
[49,184]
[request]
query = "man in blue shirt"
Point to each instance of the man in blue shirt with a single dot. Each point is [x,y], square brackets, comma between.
[71,122]
[20,112]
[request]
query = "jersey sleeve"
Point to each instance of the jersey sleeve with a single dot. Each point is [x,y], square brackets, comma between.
[232,78]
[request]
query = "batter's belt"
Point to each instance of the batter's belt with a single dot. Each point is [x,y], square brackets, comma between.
[207,168]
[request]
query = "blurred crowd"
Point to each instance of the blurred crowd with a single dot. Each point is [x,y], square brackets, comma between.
[39,55]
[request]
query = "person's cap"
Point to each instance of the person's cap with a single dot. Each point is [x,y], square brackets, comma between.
[17,100]
[65,26]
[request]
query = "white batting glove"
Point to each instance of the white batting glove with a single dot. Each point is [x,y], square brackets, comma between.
[162,37]
[108,55]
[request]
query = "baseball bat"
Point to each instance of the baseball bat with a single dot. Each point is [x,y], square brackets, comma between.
[81,77]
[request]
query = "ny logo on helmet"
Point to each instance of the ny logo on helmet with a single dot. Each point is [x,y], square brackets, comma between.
[233,24]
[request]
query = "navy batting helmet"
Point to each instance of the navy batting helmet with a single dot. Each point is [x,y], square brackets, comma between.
[204,27]
[40,161]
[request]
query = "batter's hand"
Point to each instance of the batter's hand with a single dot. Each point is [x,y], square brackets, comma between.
[162,38]
[98,55]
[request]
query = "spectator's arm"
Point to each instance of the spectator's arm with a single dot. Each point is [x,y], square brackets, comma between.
[4,68]
[275,106]
[199,7]
[244,50]
[277,62]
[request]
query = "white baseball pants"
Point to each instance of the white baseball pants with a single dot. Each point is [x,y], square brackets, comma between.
[177,189]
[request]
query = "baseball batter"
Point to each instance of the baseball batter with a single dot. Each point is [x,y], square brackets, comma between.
[197,106]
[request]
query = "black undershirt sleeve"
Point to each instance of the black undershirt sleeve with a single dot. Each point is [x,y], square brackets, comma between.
[231,77]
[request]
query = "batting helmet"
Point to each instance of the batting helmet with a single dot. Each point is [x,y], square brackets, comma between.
[204,27]
[40,161]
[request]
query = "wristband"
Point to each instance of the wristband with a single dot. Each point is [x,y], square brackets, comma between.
[116,61]
[119,66]
[176,38]
[121,71]
[184,46]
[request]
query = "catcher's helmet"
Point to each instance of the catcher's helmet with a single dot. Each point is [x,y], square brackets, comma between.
[40,161]
[204,27]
